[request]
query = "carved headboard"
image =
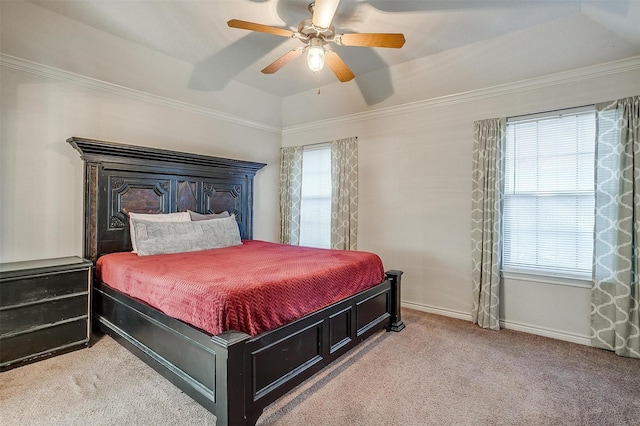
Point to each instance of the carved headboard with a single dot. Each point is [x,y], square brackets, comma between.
[123,178]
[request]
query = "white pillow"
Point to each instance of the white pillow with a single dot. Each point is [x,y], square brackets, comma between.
[179,237]
[160,217]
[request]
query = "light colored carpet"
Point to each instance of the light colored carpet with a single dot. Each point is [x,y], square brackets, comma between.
[437,371]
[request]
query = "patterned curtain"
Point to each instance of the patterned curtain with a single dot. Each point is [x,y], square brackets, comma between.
[344,194]
[290,193]
[486,229]
[615,317]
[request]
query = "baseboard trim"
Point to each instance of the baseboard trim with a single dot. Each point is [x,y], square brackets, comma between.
[509,325]
[436,310]
[547,332]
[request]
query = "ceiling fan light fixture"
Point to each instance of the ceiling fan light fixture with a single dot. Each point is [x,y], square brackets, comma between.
[315,55]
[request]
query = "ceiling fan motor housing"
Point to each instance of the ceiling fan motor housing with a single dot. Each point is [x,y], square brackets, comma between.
[307,31]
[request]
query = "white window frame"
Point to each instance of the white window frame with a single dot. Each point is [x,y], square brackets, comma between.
[310,238]
[533,273]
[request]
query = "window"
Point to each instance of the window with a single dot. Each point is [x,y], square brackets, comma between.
[315,205]
[548,211]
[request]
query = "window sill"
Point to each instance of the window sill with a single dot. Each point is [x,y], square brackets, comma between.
[539,277]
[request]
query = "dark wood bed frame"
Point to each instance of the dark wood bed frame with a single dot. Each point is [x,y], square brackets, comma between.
[233,375]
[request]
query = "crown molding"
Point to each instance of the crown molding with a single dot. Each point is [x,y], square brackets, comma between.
[579,74]
[103,86]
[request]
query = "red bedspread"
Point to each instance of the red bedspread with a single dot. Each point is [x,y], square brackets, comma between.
[253,288]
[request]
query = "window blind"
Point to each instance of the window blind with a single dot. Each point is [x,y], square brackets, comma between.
[548,210]
[315,205]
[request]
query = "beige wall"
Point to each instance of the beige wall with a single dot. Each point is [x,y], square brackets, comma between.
[41,177]
[415,193]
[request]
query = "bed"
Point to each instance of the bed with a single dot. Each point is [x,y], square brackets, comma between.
[233,374]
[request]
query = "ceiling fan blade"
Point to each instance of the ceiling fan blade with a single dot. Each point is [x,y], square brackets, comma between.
[251,26]
[282,60]
[337,65]
[395,41]
[323,12]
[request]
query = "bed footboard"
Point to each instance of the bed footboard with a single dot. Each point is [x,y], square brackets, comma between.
[234,375]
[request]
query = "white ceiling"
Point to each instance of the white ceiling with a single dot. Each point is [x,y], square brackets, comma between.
[196,33]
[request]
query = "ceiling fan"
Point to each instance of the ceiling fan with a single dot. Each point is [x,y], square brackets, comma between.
[316,33]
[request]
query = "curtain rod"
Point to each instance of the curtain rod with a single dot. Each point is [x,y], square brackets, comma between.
[535,115]
[322,143]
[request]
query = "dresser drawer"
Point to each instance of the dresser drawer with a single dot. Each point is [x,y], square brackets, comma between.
[18,291]
[43,342]
[25,317]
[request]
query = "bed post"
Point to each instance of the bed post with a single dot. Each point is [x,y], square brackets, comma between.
[232,379]
[394,276]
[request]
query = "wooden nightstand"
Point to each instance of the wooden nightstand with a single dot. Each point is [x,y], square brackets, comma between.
[44,309]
